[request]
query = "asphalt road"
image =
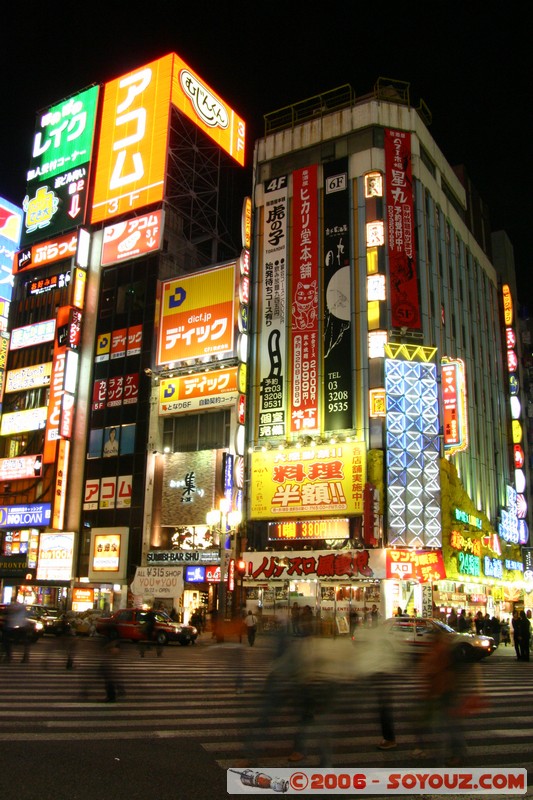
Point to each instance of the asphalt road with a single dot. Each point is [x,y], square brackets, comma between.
[182,724]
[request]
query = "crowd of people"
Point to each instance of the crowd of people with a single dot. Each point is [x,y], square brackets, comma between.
[517,631]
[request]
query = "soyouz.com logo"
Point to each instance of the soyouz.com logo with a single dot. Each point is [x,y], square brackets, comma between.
[498,781]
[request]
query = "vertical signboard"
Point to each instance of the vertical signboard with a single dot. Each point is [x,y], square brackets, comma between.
[338,348]
[454,405]
[131,161]
[10,227]
[405,306]
[273,311]
[58,176]
[304,299]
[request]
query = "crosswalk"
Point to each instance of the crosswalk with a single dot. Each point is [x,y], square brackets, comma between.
[196,693]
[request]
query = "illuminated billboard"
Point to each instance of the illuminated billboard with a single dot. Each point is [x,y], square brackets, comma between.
[198,316]
[454,407]
[58,175]
[413,450]
[33,377]
[135,237]
[132,153]
[40,255]
[319,480]
[10,229]
[56,551]
[131,162]
[192,96]
[202,390]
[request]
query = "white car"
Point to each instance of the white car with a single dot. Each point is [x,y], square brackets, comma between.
[414,634]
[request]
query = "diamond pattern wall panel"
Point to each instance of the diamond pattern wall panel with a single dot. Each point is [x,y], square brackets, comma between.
[413,470]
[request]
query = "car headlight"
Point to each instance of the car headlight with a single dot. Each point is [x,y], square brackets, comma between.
[38,626]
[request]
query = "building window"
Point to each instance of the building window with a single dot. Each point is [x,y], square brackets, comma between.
[186,434]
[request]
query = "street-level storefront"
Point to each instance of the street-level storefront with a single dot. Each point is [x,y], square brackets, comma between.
[338,586]
[185,581]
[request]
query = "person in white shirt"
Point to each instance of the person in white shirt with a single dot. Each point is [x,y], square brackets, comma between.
[250,621]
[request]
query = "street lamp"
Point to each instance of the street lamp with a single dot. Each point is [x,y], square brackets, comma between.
[224,521]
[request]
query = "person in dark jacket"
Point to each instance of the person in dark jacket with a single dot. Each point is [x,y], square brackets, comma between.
[516,634]
[524,628]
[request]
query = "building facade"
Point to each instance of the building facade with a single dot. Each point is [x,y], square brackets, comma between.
[121,401]
[380,450]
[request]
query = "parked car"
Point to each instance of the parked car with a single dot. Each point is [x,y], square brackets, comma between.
[31,627]
[411,635]
[129,623]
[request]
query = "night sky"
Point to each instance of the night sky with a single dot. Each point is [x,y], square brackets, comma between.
[470,62]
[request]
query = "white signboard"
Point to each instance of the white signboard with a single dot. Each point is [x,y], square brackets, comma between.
[158,582]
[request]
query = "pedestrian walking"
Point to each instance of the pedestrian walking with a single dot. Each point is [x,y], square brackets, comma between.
[295,618]
[251,627]
[109,670]
[524,632]
[515,623]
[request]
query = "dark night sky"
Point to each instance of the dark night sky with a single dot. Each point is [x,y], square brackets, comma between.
[470,62]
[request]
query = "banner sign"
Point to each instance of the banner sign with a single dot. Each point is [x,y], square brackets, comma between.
[416,565]
[198,316]
[217,389]
[272,364]
[320,480]
[337,335]
[158,581]
[10,228]
[405,304]
[32,516]
[41,255]
[58,177]
[133,238]
[316,564]
[304,301]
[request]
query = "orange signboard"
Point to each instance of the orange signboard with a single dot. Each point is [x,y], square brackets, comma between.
[131,161]
[216,389]
[132,153]
[192,96]
[198,314]
[133,238]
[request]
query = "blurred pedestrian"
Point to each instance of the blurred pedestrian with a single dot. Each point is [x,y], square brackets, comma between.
[452,619]
[307,621]
[505,632]
[524,632]
[462,622]
[109,670]
[515,623]
[251,627]
[478,622]
[16,629]
[149,634]
[451,688]
[295,618]
[496,628]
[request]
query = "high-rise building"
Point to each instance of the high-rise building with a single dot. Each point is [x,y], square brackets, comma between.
[381,453]
[121,407]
